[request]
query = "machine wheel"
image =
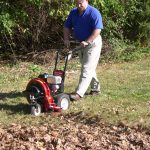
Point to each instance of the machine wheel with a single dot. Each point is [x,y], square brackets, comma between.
[63,101]
[36,109]
[34,93]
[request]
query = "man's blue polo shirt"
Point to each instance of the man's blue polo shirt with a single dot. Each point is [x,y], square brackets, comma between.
[83,25]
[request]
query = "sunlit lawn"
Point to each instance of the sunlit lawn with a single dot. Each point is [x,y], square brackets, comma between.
[125,93]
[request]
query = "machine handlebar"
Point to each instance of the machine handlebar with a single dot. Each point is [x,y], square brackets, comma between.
[78,48]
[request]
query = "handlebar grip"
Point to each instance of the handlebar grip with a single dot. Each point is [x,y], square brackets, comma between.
[79,47]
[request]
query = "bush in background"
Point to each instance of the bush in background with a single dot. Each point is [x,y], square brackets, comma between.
[37,25]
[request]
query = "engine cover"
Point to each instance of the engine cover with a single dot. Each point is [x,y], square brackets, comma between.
[51,79]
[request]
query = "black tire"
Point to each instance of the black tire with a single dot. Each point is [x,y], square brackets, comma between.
[63,101]
[36,109]
[34,90]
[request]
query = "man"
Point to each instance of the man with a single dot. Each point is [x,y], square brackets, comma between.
[86,23]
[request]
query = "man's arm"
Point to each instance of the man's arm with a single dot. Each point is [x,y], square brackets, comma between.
[93,36]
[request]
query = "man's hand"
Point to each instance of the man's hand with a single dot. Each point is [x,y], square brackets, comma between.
[67,43]
[84,44]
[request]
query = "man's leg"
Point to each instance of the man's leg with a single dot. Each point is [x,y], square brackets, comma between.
[95,84]
[89,64]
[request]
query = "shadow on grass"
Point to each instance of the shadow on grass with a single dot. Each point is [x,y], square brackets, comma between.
[85,118]
[12,94]
[12,108]
[15,109]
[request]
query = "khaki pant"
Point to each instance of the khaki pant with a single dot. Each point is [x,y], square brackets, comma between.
[89,59]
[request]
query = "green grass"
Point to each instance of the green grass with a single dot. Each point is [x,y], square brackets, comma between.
[125,94]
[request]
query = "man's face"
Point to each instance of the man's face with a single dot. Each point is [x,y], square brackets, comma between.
[82,4]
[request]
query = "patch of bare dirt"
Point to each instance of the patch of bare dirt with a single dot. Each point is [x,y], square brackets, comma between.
[75,133]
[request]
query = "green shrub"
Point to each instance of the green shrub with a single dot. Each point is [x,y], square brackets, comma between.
[36,25]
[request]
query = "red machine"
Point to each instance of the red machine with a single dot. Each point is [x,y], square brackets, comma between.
[47,91]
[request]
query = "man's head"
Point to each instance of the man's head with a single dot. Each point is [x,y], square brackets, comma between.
[81,4]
